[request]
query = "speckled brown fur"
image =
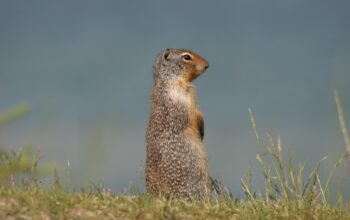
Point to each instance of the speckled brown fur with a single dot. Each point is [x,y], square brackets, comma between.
[176,164]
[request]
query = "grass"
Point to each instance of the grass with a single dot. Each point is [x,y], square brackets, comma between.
[289,192]
[14,113]
[33,202]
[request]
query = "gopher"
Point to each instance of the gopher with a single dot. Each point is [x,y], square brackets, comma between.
[176,163]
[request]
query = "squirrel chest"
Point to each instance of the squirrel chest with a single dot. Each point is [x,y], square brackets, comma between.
[183,94]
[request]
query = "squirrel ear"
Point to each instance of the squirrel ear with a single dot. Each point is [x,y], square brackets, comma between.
[166,54]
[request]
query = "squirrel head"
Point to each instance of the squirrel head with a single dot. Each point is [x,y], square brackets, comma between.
[174,63]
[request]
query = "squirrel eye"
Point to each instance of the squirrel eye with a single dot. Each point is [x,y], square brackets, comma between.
[186,57]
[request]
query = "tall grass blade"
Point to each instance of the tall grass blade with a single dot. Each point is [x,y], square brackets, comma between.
[342,123]
[14,113]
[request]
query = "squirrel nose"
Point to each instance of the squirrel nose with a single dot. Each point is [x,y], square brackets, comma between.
[206,66]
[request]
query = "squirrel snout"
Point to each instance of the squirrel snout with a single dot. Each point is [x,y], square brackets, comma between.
[201,67]
[204,64]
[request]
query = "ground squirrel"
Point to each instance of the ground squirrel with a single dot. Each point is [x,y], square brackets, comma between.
[176,164]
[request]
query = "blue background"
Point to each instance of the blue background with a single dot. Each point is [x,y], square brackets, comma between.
[86,67]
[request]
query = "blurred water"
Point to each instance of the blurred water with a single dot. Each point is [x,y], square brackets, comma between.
[86,68]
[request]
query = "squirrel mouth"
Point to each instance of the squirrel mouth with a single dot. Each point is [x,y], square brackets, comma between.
[201,68]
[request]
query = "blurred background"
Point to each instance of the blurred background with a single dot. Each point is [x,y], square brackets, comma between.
[86,68]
